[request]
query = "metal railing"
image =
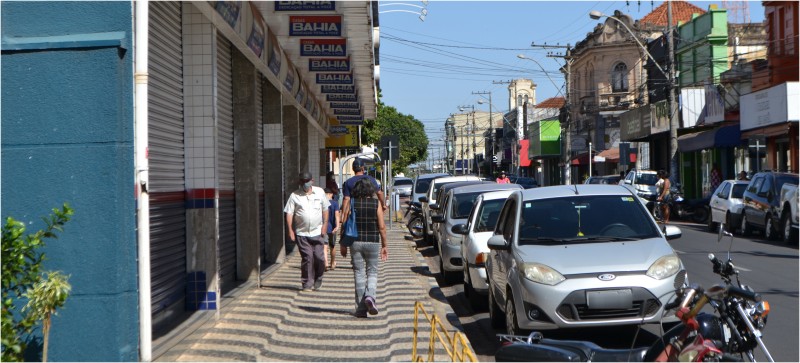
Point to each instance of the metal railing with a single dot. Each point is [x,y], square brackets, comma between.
[456,346]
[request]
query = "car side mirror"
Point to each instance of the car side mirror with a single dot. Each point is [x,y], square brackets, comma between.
[437,219]
[672,232]
[626,181]
[498,242]
[434,206]
[423,199]
[460,229]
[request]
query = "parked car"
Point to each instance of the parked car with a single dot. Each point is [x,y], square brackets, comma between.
[455,207]
[726,204]
[579,256]
[437,209]
[421,185]
[526,183]
[761,202]
[788,212]
[644,181]
[402,186]
[477,230]
[430,198]
[603,179]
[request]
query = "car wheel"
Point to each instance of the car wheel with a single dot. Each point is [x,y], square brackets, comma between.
[789,236]
[512,328]
[496,316]
[745,228]
[729,223]
[712,226]
[475,300]
[700,215]
[770,232]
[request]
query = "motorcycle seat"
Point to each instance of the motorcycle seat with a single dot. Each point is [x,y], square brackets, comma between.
[592,352]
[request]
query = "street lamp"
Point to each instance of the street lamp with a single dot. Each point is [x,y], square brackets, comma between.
[423,12]
[673,122]
[489,130]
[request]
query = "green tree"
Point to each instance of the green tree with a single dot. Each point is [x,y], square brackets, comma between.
[409,131]
[21,275]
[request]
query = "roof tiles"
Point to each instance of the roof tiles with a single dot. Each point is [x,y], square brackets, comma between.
[682,11]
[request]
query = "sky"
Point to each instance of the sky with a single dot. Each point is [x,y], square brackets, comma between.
[430,68]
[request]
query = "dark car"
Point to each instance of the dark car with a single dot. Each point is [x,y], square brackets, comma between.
[604,179]
[761,202]
[524,182]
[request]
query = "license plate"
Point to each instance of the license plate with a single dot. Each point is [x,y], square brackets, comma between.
[609,299]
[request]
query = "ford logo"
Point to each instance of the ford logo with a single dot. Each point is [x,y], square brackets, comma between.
[606,277]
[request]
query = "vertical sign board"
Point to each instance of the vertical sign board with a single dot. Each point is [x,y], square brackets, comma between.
[315,26]
[546,139]
[341,97]
[334,78]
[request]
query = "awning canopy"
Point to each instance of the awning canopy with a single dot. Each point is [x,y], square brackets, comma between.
[726,136]
[611,155]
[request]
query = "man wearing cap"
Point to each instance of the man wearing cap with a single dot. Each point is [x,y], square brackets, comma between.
[359,169]
[307,221]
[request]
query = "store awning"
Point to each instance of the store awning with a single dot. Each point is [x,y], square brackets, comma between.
[611,156]
[726,136]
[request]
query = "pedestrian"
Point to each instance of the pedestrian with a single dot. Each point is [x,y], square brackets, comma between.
[663,188]
[334,221]
[369,246]
[359,169]
[715,179]
[743,176]
[330,183]
[307,222]
[503,179]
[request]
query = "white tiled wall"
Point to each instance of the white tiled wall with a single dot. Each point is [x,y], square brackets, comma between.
[198,55]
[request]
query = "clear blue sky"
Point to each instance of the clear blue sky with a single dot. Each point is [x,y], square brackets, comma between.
[430,68]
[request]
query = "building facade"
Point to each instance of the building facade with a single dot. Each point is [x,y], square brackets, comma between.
[176,131]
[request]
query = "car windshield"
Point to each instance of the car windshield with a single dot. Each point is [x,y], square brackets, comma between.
[782,179]
[438,187]
[738,190]
[649,179]
[595,180]
[422,186]
[399,182]
[487,215]
[584,219]
[462,204]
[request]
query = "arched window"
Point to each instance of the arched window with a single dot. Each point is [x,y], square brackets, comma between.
[619,78]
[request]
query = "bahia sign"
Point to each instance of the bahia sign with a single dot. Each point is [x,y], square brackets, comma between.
[329,65]
[338,88]
[323,47]
[316,26]
[341,97]
[334,78]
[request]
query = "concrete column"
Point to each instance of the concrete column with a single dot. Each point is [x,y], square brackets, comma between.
[274,175]
[303,146]
[245,151]
[292,156]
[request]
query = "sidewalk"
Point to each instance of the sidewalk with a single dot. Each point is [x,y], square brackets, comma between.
[278,322]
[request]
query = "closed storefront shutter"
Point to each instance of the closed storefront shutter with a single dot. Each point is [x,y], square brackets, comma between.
[166,157]
[227,197]
[262,218]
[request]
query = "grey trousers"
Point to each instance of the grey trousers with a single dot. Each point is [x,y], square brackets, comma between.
[365,257]
[312,259]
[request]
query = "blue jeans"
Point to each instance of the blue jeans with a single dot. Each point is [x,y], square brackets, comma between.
[365,257]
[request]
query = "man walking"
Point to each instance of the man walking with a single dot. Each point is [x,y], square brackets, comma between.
[307,221]
[359,170]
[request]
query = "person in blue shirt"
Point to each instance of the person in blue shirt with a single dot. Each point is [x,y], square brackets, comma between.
[359,169]
[334,222]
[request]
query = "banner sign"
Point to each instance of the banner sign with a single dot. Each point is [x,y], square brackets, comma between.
[338,130]
[323,47]
[341,97]
[350,120]
[334,78]
[274,54]
[304,5]
[345,105]
[229,11]
[315,26]
[336,88]
[347,112]
[256,39]
[328,65]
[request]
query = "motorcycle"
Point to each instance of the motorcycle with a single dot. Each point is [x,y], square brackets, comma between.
[415,219]
[696,210]
[731,333]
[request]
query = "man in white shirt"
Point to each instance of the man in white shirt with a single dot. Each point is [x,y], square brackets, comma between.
[307,222]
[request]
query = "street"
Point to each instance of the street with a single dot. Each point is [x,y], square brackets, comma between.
[769,267]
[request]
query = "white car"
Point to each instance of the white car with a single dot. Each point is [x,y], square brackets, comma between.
[726,204]
[476,231]
[402,186]
[644,182]
[430,198]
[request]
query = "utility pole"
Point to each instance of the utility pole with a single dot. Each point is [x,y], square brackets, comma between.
[673,119]
[474,151]
[514,147]
[567,119]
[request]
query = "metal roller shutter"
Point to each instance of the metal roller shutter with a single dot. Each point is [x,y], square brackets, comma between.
[166,156]
[262,217]
[227,196]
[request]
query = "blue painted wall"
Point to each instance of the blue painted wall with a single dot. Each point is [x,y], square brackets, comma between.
[67,136]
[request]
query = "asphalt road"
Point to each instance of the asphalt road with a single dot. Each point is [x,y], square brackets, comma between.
[770,267]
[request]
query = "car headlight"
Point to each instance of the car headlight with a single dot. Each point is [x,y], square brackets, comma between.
[664,267]
[542,274]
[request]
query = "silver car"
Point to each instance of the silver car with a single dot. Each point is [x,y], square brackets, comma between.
[578,256]
[402,186]
[476,231]
[726,204]
[430,198]
[454,209]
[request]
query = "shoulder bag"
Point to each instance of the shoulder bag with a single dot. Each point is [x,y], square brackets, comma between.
[350,230]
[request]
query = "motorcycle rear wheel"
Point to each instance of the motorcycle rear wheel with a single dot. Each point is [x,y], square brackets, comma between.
[415,227]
